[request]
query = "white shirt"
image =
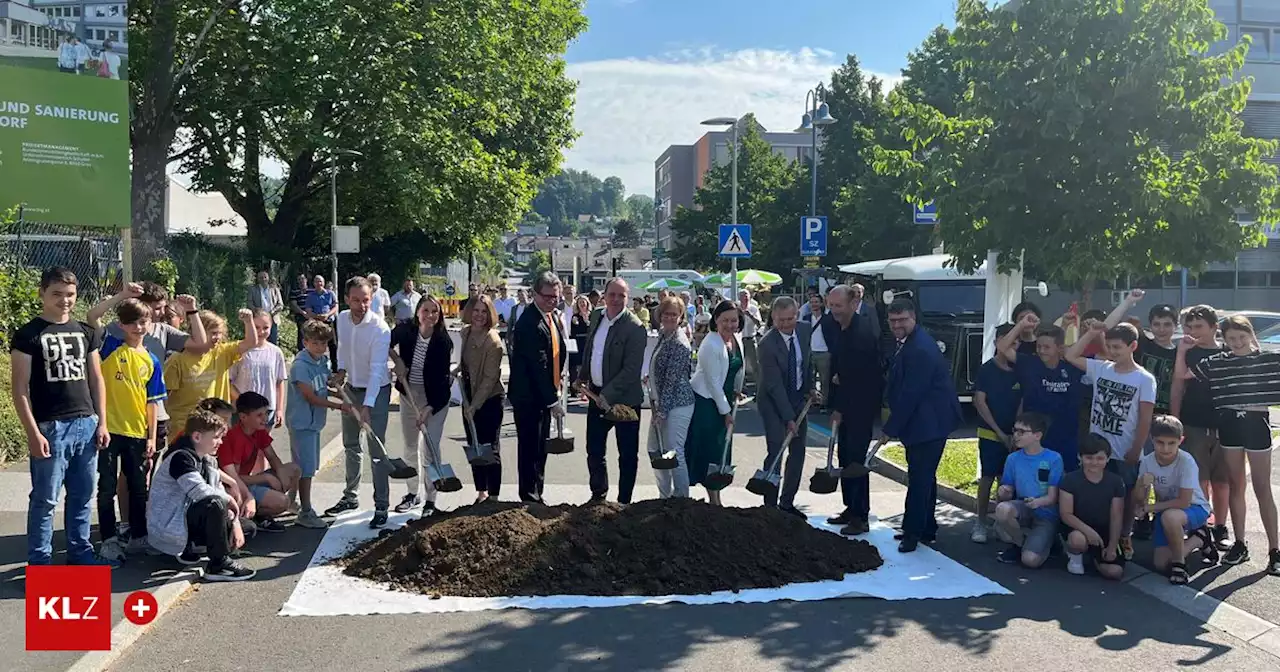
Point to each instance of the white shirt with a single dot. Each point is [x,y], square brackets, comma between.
[404,304]
[519,311]
[381,299]
[113,63]
[597,346]
[1116,403]
[817,342]
[362,353]
[752,318]
[504,306]
[787,340]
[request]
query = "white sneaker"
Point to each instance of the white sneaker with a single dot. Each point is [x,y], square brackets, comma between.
[979,535]
[310,519]
[113,549]
[1075,563]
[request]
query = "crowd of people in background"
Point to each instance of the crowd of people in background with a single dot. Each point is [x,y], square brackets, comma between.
[1096,429]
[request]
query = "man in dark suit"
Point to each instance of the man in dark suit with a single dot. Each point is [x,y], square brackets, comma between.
[537,361]
[784,364]
[865,310]
[923,411]
[611,365]
[856,395]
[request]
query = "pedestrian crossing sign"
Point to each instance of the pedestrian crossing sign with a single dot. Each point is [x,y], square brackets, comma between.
[735,240]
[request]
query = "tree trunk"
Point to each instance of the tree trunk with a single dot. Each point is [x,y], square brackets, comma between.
[1086,294]
[148,190]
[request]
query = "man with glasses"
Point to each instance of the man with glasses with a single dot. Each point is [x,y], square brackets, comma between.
[923,411]
[538,357]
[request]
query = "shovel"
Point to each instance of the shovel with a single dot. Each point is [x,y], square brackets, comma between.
[860,470]
[826,479]
[562,442]
[400,469]
[663,459]
[765,481]
[720,475]
[440,474]
[478,454]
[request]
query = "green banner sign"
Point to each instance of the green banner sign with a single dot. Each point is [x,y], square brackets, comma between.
[64,131]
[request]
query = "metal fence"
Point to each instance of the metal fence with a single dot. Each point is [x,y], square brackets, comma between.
[95,255]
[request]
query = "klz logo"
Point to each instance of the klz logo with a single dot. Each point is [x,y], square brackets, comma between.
[68,608]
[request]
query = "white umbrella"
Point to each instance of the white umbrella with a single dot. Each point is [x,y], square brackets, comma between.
[665,283]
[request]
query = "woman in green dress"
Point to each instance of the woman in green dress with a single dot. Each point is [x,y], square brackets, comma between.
[717,386]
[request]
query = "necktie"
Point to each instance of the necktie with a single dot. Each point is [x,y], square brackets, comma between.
[791,363]
[555,352]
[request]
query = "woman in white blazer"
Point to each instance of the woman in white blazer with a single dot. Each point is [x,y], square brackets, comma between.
[717,387]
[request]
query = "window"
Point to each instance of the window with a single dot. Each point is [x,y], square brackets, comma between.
[75,11]
[1217,280]
[1263,11]
[113,35]
[1253,279]
[1174,280]
[1260,50]
[100,34]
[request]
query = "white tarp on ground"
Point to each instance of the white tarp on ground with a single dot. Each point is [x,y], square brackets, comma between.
[324,590]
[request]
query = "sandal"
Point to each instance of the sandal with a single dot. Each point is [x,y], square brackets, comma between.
[1178,574]
[1208,551]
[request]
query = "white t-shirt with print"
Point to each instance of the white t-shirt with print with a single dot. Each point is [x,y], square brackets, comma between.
[1113,412]
[1182,473]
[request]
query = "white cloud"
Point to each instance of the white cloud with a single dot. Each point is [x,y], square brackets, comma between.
[629,110]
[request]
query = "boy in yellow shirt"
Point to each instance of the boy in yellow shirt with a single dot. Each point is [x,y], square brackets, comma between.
[134,385]
[194,377]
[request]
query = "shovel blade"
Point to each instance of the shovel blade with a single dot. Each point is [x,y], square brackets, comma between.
[443,478]
[481,455]
[558,445]
[400,469]
[663,461]
[763,483]
[824,481]
[718,477]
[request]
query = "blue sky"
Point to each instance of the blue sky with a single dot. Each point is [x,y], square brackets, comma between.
[650,70]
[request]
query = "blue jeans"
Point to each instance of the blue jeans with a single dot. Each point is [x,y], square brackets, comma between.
[73,461]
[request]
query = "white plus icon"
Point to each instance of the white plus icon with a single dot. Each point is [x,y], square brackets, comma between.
[141,608]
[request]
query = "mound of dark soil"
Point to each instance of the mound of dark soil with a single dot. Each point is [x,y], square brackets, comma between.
[654,547]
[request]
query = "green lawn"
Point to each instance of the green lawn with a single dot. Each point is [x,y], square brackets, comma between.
[959,465]
[50,63]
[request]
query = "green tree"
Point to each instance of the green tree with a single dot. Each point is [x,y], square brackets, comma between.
[767,200]
[870,216]
[539,261]
[1084,146]
[457,123]
[613,194]
[626,234]
[639,209]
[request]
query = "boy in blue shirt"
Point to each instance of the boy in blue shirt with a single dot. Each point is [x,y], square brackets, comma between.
[307,412]
[1050,385]
[996,398]
[1027,515]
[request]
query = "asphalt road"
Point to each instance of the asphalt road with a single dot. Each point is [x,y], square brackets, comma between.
[1087,621]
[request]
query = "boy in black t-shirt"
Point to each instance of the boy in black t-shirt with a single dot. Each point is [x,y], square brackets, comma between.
[1091,504]
[1027,337]
[1190,402]
[58,393]
[1157,355]
[996,398]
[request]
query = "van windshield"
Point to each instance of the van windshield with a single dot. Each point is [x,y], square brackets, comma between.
[952,299]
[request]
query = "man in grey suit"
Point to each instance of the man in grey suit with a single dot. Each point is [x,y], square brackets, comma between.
[611,365]
[784,361]
[265,296]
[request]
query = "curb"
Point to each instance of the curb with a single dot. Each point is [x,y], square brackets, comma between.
[125,633]
[946,493]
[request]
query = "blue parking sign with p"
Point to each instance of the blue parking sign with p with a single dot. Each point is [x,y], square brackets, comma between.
[813,236]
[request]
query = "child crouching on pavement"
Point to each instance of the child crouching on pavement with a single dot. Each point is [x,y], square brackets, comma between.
[1180,507]
[307,412]
[1027,515]
[243,448]
[188,506]
[1091,503]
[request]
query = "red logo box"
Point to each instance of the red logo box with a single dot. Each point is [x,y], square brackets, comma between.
[68,608]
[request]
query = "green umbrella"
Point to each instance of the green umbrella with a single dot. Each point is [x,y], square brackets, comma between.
[665,283]
[747,277]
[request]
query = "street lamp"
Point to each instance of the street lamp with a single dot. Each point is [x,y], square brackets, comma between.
[732,122]
[333,212]
[815,115]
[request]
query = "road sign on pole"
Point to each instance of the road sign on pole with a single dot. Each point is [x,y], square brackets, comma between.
[927,213]
[813,236]
[449,290]
[735,240]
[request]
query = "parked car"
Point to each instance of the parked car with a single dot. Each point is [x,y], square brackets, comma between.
[1269,339]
